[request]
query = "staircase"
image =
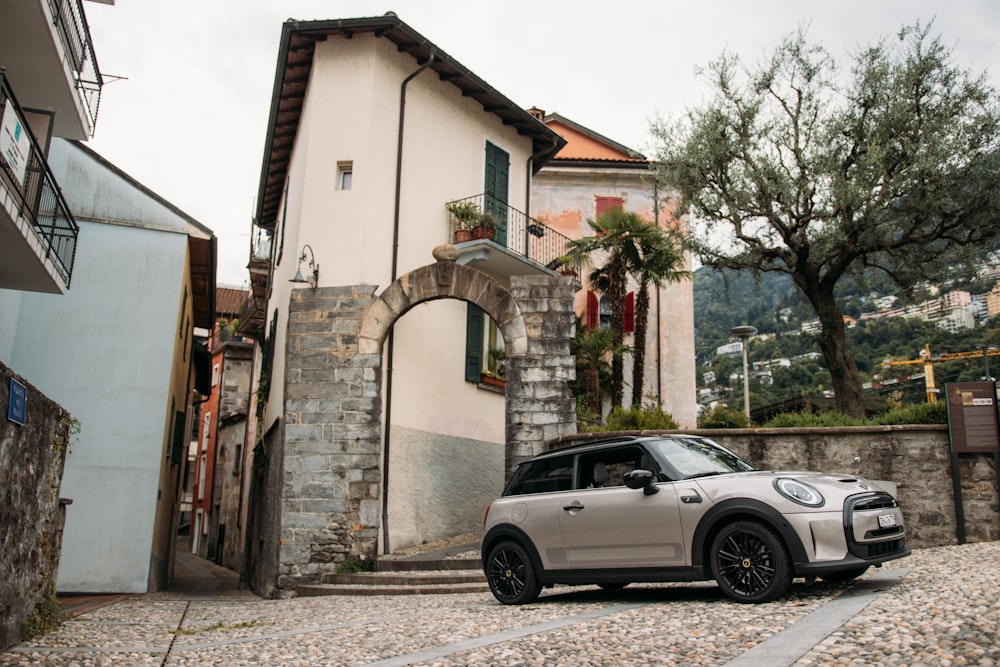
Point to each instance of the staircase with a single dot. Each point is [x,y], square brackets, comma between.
[431,572]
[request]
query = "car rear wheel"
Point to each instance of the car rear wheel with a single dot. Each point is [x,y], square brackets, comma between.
[844,575]
[750,563]
[510,574]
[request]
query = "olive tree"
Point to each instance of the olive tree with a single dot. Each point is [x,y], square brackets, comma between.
[799,166]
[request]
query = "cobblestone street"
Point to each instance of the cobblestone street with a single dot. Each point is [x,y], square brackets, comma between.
[940,606]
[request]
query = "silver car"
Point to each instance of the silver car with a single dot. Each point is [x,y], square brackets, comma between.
[681,508]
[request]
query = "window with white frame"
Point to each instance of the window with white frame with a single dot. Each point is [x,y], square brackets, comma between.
[345,175]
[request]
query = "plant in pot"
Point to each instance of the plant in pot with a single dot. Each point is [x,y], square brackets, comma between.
[486,227]
[466,214]
[494,374]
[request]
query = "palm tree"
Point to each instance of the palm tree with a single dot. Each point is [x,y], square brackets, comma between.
[591,348]
[660,262]
[621,235]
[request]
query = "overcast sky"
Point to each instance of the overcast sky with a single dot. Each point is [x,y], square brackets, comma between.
[187,119]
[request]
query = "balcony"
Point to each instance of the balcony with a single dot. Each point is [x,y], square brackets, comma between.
[254,311]
[46,48]
[37,231]
[510,242]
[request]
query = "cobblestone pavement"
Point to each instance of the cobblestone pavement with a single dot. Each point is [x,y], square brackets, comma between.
[941,606]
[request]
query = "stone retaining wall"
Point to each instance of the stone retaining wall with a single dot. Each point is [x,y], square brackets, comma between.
[31,515]
[917,459]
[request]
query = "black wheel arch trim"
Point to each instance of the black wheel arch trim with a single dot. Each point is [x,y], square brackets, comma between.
[508,532]
[745,508]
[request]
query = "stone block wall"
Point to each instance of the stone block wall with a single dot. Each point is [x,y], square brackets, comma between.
[917,459]
[31,515]
[330,469]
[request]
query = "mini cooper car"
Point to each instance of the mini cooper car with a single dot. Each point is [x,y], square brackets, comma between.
[681,508]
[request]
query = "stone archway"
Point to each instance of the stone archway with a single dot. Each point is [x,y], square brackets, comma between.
[331,485]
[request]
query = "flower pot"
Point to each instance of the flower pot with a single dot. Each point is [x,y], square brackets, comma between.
[463,235]
[483,232]
[494,381]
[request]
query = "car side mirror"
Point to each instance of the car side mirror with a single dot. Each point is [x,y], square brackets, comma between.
[642,479]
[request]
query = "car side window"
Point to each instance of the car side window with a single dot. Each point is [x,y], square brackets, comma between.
[608,467]
[543,476]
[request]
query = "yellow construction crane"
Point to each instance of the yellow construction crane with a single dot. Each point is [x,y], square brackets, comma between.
[928,361]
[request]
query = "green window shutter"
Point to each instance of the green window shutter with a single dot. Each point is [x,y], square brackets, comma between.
[496,188]
[474,319]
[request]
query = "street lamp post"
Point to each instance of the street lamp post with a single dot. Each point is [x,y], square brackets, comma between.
[744,334]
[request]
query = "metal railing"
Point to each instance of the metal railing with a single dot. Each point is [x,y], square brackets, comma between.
[36,190]
[513,229]
[74,33]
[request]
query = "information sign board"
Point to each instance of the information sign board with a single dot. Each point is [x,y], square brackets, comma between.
[972,417]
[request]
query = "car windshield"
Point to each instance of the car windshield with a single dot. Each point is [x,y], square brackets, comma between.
[684,458]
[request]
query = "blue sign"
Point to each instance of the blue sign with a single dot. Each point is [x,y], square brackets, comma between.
[17,403]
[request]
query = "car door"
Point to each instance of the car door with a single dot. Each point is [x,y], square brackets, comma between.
[609,525]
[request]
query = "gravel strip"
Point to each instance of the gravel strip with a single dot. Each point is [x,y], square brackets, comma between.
[944,611]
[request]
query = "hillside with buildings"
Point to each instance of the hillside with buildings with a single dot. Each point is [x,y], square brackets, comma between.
[954,319]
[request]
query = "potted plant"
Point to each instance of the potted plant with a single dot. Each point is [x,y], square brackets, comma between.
[494,375]
[486,227]
[466,214]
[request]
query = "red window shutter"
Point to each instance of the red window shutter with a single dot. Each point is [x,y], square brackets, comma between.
[629,312]
[593,314]
[605,204]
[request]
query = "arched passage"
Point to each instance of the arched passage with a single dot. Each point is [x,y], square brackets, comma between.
[331,484]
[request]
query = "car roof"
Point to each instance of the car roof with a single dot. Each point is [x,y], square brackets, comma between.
[594,445]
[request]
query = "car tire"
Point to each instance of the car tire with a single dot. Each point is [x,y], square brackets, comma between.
[750,563]
[841,576]
[511,575]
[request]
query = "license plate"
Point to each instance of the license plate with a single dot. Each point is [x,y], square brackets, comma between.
[886,520]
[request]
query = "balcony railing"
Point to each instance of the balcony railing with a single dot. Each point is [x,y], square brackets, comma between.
[74,33]
[35,189]
[515,231]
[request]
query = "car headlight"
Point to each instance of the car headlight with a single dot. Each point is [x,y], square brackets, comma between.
[799,492]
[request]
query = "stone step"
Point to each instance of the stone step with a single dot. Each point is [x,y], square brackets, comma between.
[376,588]
[406,578]
[417,565]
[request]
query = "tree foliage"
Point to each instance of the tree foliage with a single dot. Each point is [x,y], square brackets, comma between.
[796,168]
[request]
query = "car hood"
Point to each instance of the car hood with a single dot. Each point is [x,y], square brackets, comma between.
[760,484]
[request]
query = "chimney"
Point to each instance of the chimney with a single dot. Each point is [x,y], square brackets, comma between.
[539,114]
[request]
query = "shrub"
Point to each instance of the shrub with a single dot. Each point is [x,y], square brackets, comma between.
[813,419]
[920,413]
[638,419]
[722,417]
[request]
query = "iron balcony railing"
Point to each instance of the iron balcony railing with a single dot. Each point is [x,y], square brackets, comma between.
[511,229]
[35,190]
[74,33]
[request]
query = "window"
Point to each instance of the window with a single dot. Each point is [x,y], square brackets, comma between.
[543,476]
[604,204]
[206,427]
[609,467]
[483,345]
[605,312]
[598,312]
[345,175]
[202,465]
[215,375]
[496,189]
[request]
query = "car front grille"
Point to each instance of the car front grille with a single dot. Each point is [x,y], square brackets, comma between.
[875,542]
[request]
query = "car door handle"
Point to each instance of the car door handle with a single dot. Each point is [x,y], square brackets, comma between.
[691,499]
[574,506]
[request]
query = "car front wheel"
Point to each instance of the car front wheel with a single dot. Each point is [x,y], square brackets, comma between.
[750,563]
[510,574]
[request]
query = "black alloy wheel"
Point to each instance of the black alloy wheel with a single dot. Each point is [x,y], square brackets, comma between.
[750,563]
[510,574]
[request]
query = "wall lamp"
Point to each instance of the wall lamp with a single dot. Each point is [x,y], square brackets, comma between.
[312,265]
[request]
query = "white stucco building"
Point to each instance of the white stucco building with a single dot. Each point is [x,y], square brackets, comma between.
[116,350]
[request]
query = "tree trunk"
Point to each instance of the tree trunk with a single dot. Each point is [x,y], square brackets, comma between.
[639,353]
[849,396]
[617,278]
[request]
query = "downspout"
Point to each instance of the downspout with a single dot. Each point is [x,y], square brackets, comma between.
[390,343]
[659,313]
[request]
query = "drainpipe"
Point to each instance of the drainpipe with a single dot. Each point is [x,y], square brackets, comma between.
[659,313]
[390,343]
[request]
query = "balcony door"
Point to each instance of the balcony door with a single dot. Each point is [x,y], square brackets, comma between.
[497,181]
